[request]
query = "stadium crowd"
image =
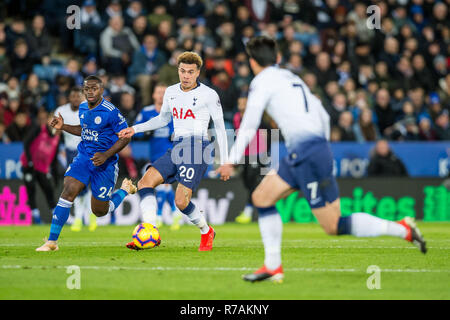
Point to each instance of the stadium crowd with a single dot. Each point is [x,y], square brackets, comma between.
[390,82]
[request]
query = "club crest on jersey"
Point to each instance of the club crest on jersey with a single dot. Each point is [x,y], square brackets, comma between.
[181,114]
[98,120]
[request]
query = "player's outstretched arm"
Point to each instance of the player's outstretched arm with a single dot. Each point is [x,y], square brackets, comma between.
[58,123]
[160,121]
[99,158]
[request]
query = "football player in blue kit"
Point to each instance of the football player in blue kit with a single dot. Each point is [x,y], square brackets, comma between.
[96,162]
[160,142]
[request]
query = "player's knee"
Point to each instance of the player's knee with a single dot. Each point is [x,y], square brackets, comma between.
[99,212]
[330,229]
[259,199]
[69,192]
[181,202]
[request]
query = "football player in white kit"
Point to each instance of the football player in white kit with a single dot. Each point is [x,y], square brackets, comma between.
[69,112]
[304,123]
[191,104]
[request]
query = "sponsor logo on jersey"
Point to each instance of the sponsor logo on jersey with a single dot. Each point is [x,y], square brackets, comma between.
[89,135]
[182,113]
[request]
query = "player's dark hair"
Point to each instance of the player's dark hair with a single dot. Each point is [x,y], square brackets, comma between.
[76,89]
[263,50]
[94,78]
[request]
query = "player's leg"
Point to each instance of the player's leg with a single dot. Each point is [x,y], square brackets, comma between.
[72,187]
[271,189]
[29,180]
[320,189]
[102,202]
[183,195]
[146,190]
[160,200]
[176,214]
[361,224]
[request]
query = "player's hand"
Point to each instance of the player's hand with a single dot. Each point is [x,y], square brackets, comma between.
[225,171]
[99,158]
[57,122]
[126,133]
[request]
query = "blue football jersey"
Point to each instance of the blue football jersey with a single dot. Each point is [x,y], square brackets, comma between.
[99,128]
[160,139]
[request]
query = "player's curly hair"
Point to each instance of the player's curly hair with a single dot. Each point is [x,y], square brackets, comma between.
[190,57]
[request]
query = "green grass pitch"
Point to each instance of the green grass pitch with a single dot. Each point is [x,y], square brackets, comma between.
[317,266]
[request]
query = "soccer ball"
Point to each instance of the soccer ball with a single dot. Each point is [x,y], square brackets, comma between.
[146,236]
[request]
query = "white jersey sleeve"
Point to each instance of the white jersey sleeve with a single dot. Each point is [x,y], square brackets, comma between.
[256,103]
[157,122]
[215,110]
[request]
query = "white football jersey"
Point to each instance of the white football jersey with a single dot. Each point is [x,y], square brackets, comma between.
[287,99]
[71,118]
[191,110]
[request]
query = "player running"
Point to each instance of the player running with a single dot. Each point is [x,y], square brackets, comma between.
[69,112]
[304,123]
[96,162]
[191,104]
[159,143]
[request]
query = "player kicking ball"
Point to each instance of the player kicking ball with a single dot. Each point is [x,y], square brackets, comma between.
[190,104]
[96,162]
[304,123]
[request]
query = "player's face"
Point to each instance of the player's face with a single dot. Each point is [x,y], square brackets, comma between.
[158,96]
[188,74]
[93,91]
[75,99]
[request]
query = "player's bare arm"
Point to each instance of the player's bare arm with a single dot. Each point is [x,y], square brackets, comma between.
[58,123]
[99,158]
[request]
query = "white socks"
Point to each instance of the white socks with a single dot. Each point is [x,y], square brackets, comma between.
[198,219]
[149,207]
[366,225]
[271,228]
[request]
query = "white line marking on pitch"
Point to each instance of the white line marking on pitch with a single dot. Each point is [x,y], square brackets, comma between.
[159,268]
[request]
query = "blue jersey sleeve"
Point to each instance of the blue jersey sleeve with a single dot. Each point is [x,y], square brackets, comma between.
[117,121]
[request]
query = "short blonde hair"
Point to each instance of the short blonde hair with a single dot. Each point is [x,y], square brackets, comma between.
[190,57]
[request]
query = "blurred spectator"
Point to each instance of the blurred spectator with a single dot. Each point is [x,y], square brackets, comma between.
[158,15]
[11,110]
[364,128]
[324,70]
[168,73]
[38,38]
[228,95]
[140,28]
[17,130]
[384,163]
[117,44]
[134,10]
[34,94]
[90,67]
[3,136]
[14,32]
[21,61]
[345,123]
[443,126]
[11,88]
[426,132]
[87,37]
[422,76]
[128,107]
[384,112]
[5,66]
[72,70]
[114,9]
[146,63]
[338,105]
[40,150]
